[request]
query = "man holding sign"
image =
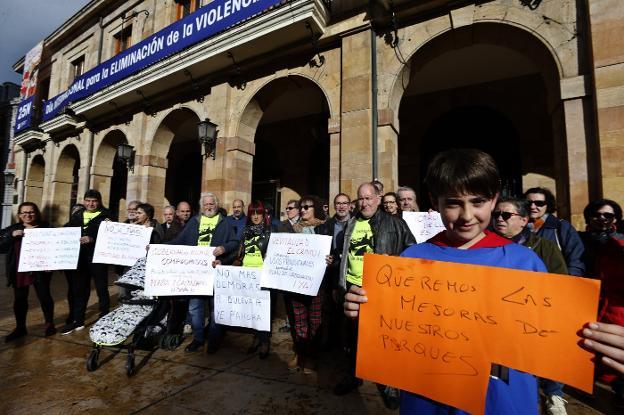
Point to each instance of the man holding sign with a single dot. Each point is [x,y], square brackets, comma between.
[89,221]
[464,186]
[208,229]
[371,231]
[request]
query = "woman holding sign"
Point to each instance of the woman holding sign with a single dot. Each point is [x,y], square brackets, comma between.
[11,242]
[251,253]
[145,217]
[303,310]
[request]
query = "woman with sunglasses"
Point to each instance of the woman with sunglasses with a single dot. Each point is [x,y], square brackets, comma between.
[543,222]
[510,219]
[253,246]
[604,258]
[390,205]
[29,217]
[304,311]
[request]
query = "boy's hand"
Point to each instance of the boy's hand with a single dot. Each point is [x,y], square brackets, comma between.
[608,340]
[353,299]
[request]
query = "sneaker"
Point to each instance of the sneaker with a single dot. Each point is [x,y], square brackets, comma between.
[50,330]
[70,328]
[347,384]
[555,405]
[193,346]
[188,330]
[391,398]
[15,334]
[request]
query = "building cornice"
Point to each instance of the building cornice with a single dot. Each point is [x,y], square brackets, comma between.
[268,25]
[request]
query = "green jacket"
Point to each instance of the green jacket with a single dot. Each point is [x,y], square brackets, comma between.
[548,253]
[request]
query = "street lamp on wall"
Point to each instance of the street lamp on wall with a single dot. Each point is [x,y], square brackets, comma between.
[207,133]
[126,153]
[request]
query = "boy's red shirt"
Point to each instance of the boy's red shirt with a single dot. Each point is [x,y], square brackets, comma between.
[491,240]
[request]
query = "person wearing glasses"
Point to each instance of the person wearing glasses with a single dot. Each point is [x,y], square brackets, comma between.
[29,217]
[334,227]
[292,217]
[543,222]
[390,204]
[304,311]
[604,258]
[510,219]
[251,252]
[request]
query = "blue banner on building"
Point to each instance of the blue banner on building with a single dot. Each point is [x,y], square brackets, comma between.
[24,114]
[194,28]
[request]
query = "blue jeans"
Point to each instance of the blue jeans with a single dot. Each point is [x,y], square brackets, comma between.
[197,307]
[196,311]
[550,387]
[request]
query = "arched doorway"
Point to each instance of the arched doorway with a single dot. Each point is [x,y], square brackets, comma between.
[486,86]
[65,185]
[292,143]
[176,140]
[110,175]
[34,182]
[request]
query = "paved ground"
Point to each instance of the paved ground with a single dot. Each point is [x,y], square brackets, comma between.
[48,376]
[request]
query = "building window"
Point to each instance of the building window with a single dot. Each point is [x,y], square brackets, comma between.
[78,67]
[123,39]
[185,7]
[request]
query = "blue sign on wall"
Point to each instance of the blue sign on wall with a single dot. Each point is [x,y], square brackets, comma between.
[194,28]
[24,114]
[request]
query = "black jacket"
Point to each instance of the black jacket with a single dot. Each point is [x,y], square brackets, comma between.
[333,271]
[391,236]
[92,228]
[7,241]
[223,236]
[263,244]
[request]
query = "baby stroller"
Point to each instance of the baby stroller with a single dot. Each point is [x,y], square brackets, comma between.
[140,317]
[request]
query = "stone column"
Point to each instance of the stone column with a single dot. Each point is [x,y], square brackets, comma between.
[388,152]
[355,117]
[606,25]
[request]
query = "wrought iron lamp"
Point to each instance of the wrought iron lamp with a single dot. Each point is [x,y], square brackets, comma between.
[207,133]
[126,153]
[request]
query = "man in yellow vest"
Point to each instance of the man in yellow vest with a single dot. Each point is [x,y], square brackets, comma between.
[208,229]
[89,221]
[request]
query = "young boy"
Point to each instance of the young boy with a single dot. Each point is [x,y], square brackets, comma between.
[463,186]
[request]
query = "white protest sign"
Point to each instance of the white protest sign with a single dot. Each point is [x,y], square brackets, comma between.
[295,262]
[238,299]
[120,243]
[47,249]
[179,270]
[424,225]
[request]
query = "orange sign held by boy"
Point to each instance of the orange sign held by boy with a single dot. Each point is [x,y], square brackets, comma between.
[435,328]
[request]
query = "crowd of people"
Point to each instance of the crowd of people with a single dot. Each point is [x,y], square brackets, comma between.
[522,232]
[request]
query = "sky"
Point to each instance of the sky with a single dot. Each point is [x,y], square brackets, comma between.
[24,23]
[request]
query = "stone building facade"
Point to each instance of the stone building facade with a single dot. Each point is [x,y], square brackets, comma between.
[315,96]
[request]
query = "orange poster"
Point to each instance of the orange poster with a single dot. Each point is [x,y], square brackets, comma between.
[434,328]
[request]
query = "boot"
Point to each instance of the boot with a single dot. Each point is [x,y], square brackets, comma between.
[15,334]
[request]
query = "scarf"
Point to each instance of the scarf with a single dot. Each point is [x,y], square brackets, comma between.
[298,227]
[252,230]
[522,237]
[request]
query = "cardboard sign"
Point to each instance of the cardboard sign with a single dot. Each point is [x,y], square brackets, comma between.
[424,225]
[48,249]
[120,243]
[434,328]
[295,262]
[239,300]
[179,270]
